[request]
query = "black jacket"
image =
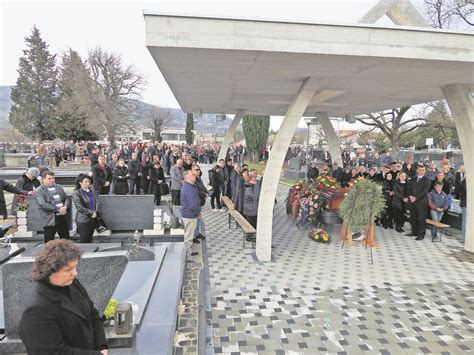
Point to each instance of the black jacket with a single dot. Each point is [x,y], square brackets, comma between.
[155,175]
[83,207]
[400,192]
[121,183]
[10,188]
[420,189]
[26,184]
[99,177]
[61,320]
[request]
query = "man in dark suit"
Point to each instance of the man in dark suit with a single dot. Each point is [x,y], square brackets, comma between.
[418,195]
[458,179]
[101,177]
[337,172]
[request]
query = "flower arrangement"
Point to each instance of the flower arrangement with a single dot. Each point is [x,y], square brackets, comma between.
[319,235]
[109,312]
[324,182]
[22,204]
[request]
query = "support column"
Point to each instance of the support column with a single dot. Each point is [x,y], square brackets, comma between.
[401,12]
[229,135]
[331,137]
[274,166]
[461,105]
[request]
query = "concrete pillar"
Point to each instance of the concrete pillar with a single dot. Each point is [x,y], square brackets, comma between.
[229,135]
[461,105]
[331,137]
[274,166]
[401,12]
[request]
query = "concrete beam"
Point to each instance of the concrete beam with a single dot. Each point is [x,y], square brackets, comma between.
[229,134]
[461,106]
[400,12]
[274,166]
[331,137]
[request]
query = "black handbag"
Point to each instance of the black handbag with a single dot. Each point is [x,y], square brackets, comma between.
[100,225]
[164,189]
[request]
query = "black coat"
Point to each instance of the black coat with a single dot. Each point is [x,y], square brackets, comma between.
[10,188]
[121,180]
[400,192]
[26,184]
[155,175]
[54,322]
[99,178]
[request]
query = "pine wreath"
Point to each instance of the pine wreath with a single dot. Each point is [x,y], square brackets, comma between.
[363,202]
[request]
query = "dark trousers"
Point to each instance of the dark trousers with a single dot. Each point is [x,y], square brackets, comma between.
[387,216]
[61,228]
[399,217]
[175,197]
[418,212]
[216,198]
[252,220]
[134,185]
[86,231]
[157,197]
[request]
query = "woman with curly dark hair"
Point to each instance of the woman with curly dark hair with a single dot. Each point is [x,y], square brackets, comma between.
[58,315]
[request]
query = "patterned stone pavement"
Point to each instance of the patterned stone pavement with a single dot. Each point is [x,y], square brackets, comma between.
[315,298]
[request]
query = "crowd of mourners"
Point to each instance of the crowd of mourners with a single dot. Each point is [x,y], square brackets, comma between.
[420,189]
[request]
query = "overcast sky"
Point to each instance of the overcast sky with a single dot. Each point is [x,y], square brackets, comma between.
[118,26]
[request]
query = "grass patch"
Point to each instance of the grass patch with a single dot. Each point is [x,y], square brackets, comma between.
[260,167]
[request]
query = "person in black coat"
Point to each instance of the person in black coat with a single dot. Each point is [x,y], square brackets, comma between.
[10,188]
[157,179]
[102,176]
[86,205]
[346,177]
[400,199]
[458,180]
[215,180]
[387,191]
[146,166]
[134,169]
[418,195]
[28,182]
[313,172]
[337,172]
[58,316]
[121,176]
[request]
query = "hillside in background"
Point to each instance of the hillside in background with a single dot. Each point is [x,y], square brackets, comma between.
[206,124]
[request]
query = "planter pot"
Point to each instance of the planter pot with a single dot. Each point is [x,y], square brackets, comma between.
[330,217]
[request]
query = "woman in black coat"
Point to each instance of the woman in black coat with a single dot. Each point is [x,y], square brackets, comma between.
[121,176]
[157,179]
[86,205]
[58,315]
[387,191]
[400,200]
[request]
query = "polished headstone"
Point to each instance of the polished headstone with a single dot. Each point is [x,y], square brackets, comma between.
[99,273]
[127,212]
[294,164]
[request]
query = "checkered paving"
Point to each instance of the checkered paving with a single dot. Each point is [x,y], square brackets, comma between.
[416,298]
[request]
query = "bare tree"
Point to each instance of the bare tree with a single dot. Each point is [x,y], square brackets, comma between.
[392,124]
[115,93]
[450,13]
[158,118]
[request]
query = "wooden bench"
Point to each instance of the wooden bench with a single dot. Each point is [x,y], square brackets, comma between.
[439,226]
[247,228]
[229,204]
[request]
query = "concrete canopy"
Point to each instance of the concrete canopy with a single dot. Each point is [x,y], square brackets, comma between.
[222,65]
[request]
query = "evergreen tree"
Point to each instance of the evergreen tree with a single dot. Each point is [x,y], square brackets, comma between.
[74,86]
[189,128]
[35,95]
[255,130]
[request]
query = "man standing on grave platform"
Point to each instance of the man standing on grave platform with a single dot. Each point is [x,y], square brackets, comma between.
[190,210]
[53,203]
[101,177]
[134,169]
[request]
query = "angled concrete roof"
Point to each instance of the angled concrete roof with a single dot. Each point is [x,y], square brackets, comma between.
[221,65]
